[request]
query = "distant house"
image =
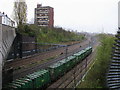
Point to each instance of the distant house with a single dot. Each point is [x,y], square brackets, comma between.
[44,16]
[5,20]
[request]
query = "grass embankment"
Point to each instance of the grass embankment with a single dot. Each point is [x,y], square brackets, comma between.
[97,74]
[50,35]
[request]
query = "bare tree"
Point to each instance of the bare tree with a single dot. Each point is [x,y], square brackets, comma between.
[20,12]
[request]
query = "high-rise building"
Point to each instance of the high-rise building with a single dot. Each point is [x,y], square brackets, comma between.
[44,16]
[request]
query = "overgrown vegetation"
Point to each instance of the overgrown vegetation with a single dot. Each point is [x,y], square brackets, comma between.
[96,77]
[49,35]
[42,34]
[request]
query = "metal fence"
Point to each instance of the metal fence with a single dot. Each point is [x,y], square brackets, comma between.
[24,46]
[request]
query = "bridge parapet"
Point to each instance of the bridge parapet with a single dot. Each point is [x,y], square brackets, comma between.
[7,35]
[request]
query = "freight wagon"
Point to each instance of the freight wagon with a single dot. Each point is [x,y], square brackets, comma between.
[44,77]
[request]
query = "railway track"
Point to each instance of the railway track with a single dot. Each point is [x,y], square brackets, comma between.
[43,56]
[72,78]
[23,72]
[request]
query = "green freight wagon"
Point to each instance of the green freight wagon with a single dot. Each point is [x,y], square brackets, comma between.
[66,64]
[22,85]
[44,78]
[88,51]
[33,78]
[83,54]
[79,56]
[64,61]
[13,86]
[56,70]
[72,61]
[76,57]
[19,84]
[39,78]
[27,82]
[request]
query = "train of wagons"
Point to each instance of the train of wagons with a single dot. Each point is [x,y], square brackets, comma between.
[43,77]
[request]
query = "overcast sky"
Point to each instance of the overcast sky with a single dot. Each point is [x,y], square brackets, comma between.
[80,15]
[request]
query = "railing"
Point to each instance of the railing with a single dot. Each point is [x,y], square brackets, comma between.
[26,49]
[25,46]
[113,75]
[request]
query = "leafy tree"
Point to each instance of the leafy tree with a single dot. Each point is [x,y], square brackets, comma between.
[20,12]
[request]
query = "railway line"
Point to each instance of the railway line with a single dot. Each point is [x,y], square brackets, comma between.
[74,76]
[55,71]
[24,71]
[71,78]
[71,50]
[44,55]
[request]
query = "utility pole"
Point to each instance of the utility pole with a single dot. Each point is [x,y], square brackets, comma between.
[86,64]
[89,43]
[66,51]
[74,78]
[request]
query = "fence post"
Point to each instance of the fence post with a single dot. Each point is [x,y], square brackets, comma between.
[15,45]
[19,46]
[36,44]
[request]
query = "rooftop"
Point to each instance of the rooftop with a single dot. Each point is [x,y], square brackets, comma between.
[1,14]
[40,6]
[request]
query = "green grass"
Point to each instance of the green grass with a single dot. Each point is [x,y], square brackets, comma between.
[96,77]
[50,35]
